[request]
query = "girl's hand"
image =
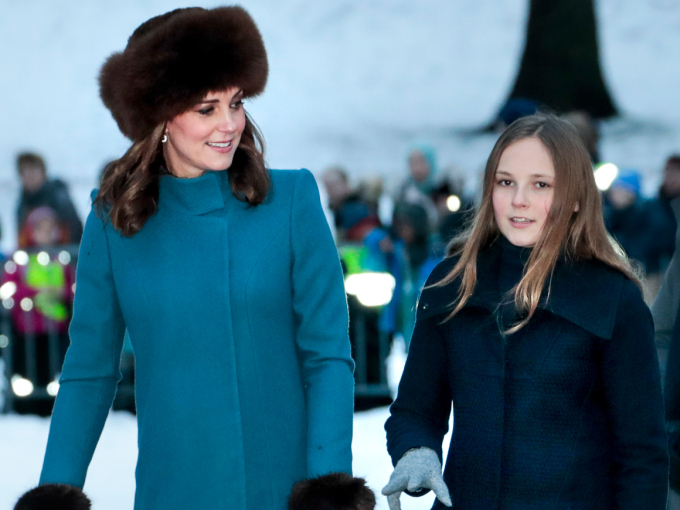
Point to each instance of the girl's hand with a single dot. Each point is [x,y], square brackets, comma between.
[418,469]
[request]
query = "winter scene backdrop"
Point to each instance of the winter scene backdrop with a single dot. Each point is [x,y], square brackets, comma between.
[351,83]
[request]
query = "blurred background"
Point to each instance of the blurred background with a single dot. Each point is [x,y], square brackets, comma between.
[393,105]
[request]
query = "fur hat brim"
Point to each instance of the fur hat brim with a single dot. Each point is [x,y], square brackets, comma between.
[54,496]
[173,60]
[336,491]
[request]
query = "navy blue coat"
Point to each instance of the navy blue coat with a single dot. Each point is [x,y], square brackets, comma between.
[566,413]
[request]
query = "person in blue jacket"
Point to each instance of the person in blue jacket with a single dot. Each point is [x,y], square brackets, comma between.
[226,278]
[534,330]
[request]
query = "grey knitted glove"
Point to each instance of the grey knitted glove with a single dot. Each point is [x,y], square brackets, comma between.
[418,469]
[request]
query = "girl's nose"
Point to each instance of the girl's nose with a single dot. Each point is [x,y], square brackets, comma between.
[519,199]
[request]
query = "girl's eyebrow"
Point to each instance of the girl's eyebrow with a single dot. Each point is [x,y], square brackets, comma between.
[535,176]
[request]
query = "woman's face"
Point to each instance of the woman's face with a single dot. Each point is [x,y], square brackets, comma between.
[523,191]
[206,137]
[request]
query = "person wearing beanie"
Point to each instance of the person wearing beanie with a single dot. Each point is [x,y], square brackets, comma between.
[627,218]
[224,275]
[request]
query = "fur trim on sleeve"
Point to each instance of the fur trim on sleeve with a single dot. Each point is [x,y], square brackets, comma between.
[54,496]
[336,491]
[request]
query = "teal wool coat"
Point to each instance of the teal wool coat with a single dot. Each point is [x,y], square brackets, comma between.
[238,320]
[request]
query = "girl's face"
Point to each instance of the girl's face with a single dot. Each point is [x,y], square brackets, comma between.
[523,191]
[206,137]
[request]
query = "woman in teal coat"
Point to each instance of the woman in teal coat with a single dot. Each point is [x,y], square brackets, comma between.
[226,278]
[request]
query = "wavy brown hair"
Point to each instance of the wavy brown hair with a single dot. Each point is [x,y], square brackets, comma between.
[129,187]
[575,234]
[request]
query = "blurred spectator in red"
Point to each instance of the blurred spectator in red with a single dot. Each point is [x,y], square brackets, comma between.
[353,217]
[37,191]
[44,280]
[40,286]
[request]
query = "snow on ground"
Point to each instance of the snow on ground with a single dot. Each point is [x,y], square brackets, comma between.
[110,481]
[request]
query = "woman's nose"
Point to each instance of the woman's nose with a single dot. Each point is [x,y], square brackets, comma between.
[228,123]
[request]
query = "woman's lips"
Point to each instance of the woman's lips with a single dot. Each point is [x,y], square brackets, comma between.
[221,147]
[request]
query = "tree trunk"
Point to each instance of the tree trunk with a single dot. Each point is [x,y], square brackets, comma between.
[560,67]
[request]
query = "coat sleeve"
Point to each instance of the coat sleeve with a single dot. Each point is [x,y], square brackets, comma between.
[91,368]
[630,373]
[420,414]
[322,338]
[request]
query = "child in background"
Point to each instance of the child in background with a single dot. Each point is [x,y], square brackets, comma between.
[41,288]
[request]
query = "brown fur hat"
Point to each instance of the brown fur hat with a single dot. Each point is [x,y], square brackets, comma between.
[336,491]
[54,496]
[173,60]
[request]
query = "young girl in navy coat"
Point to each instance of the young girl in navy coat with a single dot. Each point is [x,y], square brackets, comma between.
[535,331]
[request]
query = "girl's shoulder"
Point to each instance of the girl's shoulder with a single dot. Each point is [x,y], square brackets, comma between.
[593,295]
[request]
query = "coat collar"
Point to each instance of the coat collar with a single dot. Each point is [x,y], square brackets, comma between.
[585,292]
[200,195]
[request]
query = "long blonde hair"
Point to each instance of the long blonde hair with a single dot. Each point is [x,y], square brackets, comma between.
[574,227]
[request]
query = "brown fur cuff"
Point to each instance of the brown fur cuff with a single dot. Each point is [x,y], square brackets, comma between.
[54,496]
[337,491]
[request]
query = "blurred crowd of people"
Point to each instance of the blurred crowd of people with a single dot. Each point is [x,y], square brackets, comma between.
[405,226]
[644,227]
[406,230]
[410,227]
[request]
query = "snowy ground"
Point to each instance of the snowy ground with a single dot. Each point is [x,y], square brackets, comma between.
[110,482]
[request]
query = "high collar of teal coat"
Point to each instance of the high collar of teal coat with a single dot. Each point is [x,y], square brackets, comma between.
[199,195]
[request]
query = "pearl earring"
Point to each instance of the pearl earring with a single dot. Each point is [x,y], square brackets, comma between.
[165,138]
